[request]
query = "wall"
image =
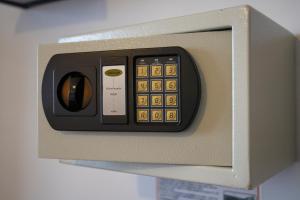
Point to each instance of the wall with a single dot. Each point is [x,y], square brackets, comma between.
[22,174]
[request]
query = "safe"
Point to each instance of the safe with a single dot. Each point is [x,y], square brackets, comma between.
[208,97]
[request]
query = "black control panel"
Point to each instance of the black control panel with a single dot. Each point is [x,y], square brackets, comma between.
[145,90]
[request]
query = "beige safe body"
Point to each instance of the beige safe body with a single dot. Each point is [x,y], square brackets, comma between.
[244,131]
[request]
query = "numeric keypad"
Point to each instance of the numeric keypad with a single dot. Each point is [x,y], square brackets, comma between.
[157,89]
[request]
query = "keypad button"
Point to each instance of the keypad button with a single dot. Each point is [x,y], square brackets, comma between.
[156,70]
[157,100]
[142,71]
[171,85]
[171,100]
[171,115]
[157,115]
[143,115]
[171,70]
[157,85]
[142,100]
[142,86]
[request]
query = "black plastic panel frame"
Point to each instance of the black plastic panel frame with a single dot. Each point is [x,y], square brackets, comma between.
[190,90]
[28,3]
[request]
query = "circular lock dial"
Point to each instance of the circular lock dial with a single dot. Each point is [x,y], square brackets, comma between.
[74,91]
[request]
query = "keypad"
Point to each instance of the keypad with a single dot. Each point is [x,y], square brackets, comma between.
[157,81]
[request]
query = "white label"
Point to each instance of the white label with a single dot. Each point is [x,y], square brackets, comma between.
[114,88]
[179,190]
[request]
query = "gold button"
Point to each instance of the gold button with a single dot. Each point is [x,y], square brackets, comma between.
[156,86]
[171,100]
[142,100]
[142,71]
[142,85]
[171,70]
[156,115]
[157,100]
[142,115]
[171,85]
[171,115]
[156,70]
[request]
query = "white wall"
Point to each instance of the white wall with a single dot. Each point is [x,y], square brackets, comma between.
[25,177]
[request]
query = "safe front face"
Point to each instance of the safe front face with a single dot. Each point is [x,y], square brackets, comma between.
[161,99]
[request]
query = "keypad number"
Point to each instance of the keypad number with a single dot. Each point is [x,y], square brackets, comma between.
[157,100]
[156,70]
[142,71]
[171,70]
[156,85]
[171,115]
[171,100]
[142,100]
[142,115]
[142,86]
[171,85]
[156,115]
